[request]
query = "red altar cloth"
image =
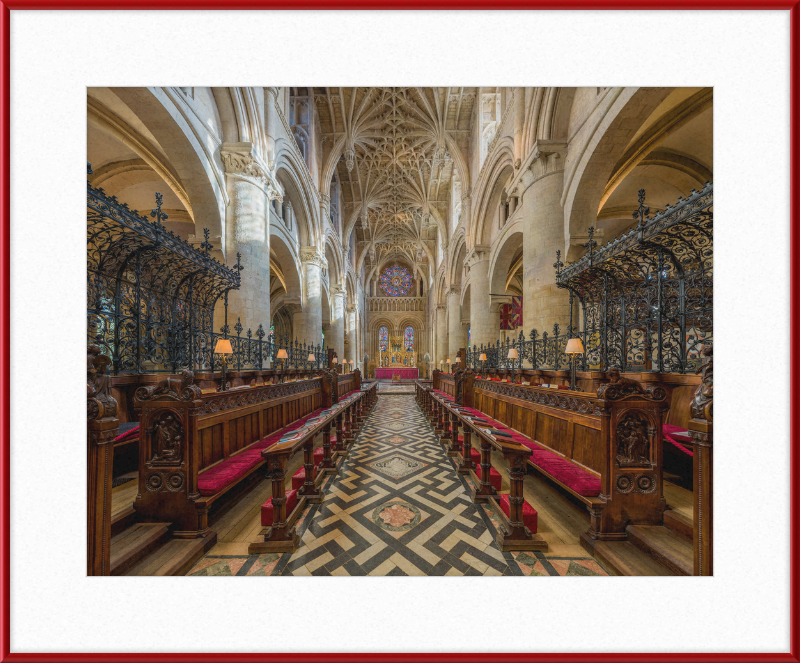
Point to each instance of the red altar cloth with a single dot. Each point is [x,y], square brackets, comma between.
[405,373]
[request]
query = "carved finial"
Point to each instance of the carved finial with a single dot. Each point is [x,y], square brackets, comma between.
[558,264]
[238,266]
[206,245]
[89,170]
[642,211]
[238,326]
[157,213]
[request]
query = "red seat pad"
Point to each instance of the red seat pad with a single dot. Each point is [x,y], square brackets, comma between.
[128,433]
[529,515]
[227,472]
[267,510]
[672,428]
[299,478]
[319,454]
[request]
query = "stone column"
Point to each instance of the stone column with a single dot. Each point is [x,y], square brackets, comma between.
[542,184]
[250,188]
[354,348]
[336,337]
[441,334]
[457,335]
[519,124]
[288,214]
[271,122]
[483,325]
[308,322]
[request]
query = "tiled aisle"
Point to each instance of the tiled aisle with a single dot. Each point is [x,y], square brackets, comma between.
[397,507]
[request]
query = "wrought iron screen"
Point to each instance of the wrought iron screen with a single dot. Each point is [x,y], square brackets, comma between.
[645,298]
[151,297]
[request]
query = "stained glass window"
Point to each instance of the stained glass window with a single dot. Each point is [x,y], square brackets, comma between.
[409,339]
[396,281]
[383,339]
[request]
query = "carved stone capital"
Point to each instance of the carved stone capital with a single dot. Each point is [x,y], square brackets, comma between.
[241,162]
[309,255]
[441,307]
[338,290]
[547,157]
[454,290]
[477,254]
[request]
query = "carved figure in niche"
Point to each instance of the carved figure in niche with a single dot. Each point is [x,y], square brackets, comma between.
[704,394]
[619,386]
[633,442]
[168,440]
[97,382]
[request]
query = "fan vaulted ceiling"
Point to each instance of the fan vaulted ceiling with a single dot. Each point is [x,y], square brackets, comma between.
[397,165]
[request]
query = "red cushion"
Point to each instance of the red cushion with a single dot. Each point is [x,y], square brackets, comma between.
[128,433]
[299,478]
[266,508]
[529,515]
[319,454]
[227,472]
[564,471]
[672,428]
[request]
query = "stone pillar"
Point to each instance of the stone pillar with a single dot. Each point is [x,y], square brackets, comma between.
[457,335]
[441,334]
[542,184]
[271,122]
[288,214]
[352,348]
[308,322]
[250,188]
[336,337]
[483,325]
[519,124]
[325,208]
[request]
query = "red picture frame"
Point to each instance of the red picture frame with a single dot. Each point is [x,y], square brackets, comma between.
[793,6]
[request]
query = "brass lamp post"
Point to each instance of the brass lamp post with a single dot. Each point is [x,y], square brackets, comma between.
[223,347]
[574,347]
[448,364]
[514,355]
[335,361]
[482,359]
[311,359]
[284,356]
[352,363]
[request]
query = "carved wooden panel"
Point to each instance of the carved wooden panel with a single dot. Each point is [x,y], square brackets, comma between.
[634,438]
[166,438]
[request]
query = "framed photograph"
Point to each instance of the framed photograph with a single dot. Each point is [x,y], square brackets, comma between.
[423,327]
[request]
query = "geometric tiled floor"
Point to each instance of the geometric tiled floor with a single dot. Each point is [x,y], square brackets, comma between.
[397,507]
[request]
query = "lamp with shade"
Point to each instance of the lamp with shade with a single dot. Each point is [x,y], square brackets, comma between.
[448,364]
[311,359]
[574,347]
[482,359]
[282,354]
[514,355]
[223,347]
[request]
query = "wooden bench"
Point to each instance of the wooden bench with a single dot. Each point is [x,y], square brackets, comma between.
[519,520]
[280,511]
[603,448]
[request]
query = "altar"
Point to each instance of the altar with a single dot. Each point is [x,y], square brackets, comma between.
[405,372]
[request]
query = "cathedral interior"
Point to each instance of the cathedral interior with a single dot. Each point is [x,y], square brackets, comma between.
[400,330]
